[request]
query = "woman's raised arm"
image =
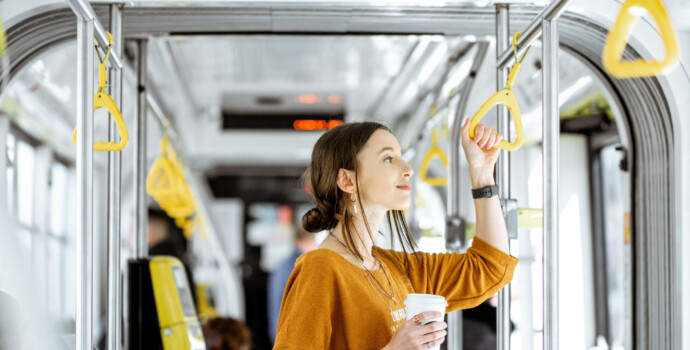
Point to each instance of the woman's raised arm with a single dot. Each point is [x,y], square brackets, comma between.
[481,156]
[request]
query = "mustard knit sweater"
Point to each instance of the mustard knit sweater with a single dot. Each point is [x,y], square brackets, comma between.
[329,303]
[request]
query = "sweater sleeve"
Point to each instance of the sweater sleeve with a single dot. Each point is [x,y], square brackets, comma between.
[307,307]
[465,280]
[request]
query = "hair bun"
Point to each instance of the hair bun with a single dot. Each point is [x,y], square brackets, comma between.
[318,219]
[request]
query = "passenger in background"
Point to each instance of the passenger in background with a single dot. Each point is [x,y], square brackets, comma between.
[304,242]
[350,294]
[165,238]
[226,334]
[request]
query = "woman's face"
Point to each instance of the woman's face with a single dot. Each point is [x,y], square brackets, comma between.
[384,178]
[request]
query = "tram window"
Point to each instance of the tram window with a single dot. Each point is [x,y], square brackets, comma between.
[617,246]
[54,281]
[58,199]
[430,219]
[11,161]
[59,183]
[26,157]
[24,239]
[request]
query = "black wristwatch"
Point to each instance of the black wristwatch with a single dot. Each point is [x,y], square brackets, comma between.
[485,192]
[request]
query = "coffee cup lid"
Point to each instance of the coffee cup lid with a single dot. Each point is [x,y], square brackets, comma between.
[418,298]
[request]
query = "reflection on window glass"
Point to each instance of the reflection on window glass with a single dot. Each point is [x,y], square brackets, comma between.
[25,176]
[58,200]
[10,172]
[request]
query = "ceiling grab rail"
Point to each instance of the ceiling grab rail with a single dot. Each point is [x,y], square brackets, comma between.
[434,151]
[103,100]
[506,98]
[618,36]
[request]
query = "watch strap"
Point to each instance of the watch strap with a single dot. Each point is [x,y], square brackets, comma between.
[485,192]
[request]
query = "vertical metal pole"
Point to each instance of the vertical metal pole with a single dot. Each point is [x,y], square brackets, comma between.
[503,168]
[114,307]
[141,212]
[85,72]
[550,168]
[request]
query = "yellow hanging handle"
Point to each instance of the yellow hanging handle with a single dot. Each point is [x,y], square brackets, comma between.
[618,37]
[434,151]
[505,98]
[161,181]
[3,39]
[166,183]
[103,100]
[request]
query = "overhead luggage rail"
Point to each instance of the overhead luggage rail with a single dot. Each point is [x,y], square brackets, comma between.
[630,12]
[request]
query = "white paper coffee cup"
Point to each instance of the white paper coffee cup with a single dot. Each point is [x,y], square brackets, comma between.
[418,303]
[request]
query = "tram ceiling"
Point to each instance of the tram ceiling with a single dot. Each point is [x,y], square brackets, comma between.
[193,74]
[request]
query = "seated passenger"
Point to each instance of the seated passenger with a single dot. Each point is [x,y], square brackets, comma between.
[226,334]
[350,294]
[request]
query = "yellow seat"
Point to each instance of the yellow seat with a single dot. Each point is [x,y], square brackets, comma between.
[619,34]
[434,151]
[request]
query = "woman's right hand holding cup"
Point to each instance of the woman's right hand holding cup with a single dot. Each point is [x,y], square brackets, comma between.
[413,334]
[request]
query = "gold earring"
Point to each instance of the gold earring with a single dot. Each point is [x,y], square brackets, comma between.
[354,200]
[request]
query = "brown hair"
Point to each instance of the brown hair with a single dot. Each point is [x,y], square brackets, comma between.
[336,149]
[226,334]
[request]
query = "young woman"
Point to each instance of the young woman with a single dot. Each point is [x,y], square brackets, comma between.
[349,294]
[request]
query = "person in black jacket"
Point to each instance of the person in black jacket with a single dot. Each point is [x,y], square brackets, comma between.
[165,238]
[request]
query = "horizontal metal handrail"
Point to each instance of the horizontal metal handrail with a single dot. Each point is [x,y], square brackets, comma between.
[533,32]
[85,12]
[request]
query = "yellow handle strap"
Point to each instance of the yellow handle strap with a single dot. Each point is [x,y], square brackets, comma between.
[434,151]
[516,66]
[165,142]
[102,72]
[161,181]
[103,100]
[618,37]
[167,185]
[506,98]
[3,39]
